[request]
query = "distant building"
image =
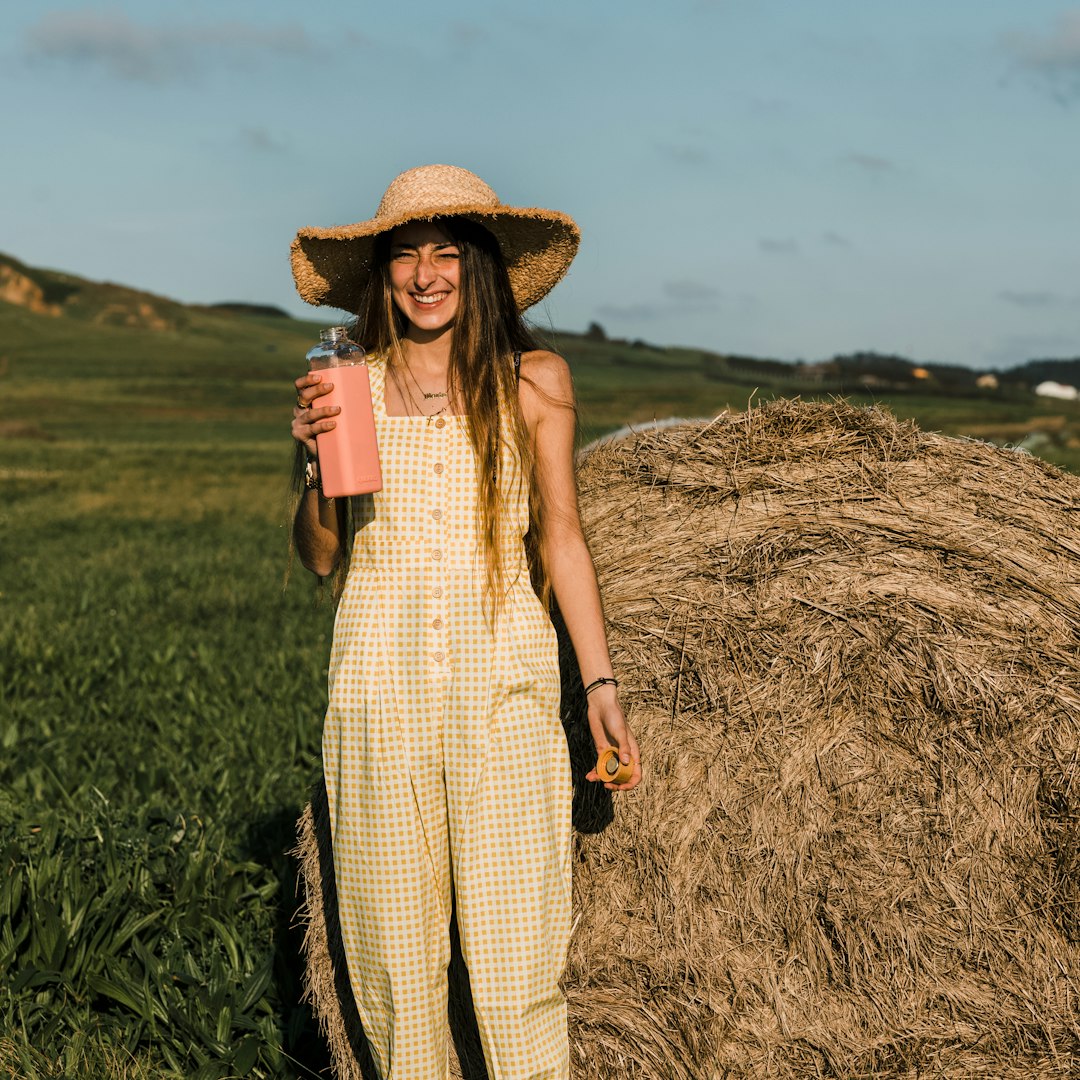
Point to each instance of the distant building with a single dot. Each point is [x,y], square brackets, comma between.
[988,381]
[1057,390]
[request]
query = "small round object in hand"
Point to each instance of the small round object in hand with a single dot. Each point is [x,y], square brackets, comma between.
[611,770]
[300,403]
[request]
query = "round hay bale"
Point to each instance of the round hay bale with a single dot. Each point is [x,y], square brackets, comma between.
[849,650]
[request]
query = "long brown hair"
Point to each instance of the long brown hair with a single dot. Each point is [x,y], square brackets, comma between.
[488,330]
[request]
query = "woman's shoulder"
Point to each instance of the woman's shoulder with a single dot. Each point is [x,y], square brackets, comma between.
[545,369]
[545,388]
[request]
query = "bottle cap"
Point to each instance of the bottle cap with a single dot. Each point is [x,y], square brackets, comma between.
[610,769]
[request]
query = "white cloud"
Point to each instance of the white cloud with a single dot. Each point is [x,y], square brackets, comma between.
[140,52]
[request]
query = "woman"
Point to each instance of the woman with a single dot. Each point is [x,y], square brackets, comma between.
[446,766]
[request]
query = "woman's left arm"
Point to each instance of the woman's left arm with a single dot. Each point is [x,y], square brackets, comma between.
[547,405]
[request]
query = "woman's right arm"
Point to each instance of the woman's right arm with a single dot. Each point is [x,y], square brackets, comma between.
[317,525]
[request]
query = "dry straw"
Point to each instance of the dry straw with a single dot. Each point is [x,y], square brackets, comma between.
[850,653]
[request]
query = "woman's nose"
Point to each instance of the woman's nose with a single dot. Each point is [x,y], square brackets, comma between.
[425,272]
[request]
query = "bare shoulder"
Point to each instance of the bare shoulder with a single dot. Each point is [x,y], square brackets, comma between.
[548,374]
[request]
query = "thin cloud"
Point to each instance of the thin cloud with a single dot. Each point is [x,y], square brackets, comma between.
[684,153]
[1028,299]
[630,312]
[688,291]
[871,163]
[778,246]
[356,38]
[1036,298]
[138,52]
[260,141]
[769,106]
[466,34]
[1053,58]
[1018,348]
[834,239]
[681,296]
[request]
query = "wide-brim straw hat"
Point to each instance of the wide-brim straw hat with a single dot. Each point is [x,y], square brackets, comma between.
[332,266]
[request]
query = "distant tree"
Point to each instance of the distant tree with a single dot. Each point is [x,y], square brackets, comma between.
[886,366]
[595,332]
[1037,371]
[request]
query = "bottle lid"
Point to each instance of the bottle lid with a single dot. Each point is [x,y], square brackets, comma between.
[334,334]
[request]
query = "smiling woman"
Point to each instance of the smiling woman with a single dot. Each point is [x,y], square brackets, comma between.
[444,672]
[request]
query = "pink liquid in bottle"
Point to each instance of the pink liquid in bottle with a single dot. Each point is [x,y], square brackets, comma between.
[348,454]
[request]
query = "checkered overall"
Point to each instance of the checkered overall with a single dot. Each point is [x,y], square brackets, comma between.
[446,767]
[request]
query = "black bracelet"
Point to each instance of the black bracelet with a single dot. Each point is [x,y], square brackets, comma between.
[602,681]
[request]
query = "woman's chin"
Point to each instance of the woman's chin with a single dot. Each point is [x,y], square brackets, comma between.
[430,326]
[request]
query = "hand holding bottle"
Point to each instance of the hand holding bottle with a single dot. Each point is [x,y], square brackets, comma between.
[311,416]
[344,432]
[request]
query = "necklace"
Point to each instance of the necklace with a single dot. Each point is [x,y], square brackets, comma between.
[402,385]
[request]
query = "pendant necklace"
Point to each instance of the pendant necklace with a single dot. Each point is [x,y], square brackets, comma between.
[416,405]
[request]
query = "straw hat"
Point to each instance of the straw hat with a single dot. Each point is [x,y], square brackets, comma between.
[331,266]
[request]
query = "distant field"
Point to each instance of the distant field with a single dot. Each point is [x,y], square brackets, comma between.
[161,692]
[619,384]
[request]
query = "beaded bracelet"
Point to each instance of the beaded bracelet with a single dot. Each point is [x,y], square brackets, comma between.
[602,681]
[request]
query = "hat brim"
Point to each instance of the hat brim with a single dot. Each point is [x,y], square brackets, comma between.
[331,266]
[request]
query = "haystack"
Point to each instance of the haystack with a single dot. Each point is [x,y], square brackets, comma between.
[850,652]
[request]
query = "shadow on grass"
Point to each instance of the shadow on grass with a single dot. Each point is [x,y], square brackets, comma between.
[270,841]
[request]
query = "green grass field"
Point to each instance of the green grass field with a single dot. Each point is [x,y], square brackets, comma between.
[161,690]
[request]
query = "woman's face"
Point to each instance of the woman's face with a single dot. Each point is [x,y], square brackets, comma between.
[425,275]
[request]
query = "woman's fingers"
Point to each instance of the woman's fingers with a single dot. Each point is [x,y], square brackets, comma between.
[308,422]
[317,416]
[610,728]
[309,387]
[309,418]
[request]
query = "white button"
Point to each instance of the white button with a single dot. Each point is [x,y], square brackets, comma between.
[437,624]
[436,514]
[436,554]
[438,658]
[436,592]
[438,467]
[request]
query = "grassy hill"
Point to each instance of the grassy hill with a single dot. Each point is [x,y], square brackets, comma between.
[182,367]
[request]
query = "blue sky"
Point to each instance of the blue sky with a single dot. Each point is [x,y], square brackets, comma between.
[772,177]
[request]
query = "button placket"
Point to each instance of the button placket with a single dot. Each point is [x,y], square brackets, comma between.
[437,550]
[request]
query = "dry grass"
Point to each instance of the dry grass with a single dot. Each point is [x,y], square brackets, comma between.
[849,650]
[851,654]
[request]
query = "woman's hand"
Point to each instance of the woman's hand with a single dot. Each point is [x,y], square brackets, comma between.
[609,728]
[309,419]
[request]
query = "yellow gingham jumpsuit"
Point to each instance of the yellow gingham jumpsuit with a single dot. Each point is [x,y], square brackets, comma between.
[446,767]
